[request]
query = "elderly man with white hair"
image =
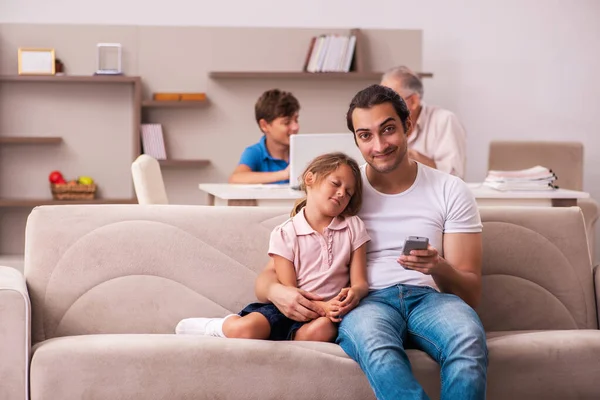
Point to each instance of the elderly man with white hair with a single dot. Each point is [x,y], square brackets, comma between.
[437,138]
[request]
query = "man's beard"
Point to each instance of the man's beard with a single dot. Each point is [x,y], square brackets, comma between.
[389,168]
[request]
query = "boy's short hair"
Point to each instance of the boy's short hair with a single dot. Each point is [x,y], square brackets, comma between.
[275,103]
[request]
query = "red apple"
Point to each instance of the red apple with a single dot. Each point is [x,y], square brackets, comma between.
[55,177]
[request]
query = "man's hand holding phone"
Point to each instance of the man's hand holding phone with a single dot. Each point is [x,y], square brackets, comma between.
[419,255]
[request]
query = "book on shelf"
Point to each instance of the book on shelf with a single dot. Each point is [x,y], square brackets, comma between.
[330,53]
[537,178]
[153,142]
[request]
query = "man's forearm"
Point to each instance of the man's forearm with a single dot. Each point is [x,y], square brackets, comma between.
[466,285]
[294,303]
[252,177]
[263,284]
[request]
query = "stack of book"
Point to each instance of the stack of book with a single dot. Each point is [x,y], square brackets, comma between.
[330,53]
[534,179]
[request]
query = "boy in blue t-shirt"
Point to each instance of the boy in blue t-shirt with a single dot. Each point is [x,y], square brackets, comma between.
[268,160]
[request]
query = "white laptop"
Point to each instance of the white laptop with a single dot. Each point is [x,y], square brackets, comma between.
[304,147]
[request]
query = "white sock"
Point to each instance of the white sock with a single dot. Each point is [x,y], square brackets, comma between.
[214,327]
[202,326]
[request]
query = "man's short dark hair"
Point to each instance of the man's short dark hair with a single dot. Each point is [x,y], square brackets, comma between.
[275,103]
[373,96]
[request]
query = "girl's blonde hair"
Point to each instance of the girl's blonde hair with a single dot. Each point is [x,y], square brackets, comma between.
[321,167]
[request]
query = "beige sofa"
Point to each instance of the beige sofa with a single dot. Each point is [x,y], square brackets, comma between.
[105,286]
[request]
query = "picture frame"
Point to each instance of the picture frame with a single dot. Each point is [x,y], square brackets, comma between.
[36,61]
[109,59]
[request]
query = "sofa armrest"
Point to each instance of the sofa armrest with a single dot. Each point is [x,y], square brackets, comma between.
[15,344]
[597,290]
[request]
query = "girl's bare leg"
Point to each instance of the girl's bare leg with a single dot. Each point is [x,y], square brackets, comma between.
[317,330]
[251,326]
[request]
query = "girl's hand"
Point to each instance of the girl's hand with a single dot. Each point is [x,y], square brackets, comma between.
[342,294]
[349,299]
[331,309]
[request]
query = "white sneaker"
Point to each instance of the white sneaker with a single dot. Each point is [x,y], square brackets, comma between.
[201,326]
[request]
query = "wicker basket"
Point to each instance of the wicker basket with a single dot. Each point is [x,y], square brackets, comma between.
[73,191]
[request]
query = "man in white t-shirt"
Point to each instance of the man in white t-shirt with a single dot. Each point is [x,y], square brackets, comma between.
[437,138]
[425,298]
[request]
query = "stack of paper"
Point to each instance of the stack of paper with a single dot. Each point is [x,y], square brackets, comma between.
[535,178]
[153,142]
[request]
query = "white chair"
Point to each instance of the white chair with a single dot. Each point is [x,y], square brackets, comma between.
[148,181]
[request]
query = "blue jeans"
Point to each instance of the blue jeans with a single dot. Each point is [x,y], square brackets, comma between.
[376,332]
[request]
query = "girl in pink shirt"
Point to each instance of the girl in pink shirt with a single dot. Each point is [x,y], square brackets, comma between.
[320,249]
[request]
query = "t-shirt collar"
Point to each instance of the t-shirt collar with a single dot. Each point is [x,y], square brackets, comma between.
[302,226]
[263,147]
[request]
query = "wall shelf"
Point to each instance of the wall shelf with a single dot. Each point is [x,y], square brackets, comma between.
[127,94]
[71,78]
[26,203]
[371,76]
[358,68]
[183,163]
[174,104]
[30,140]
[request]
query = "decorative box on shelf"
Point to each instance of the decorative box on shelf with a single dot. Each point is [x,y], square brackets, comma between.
[179,96]
[73,191]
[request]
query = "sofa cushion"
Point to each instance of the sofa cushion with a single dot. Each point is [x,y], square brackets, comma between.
[192,367]
[544,365]
[523,365]
[535,276]
[141,269]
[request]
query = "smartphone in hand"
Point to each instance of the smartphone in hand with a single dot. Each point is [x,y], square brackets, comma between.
[415,243]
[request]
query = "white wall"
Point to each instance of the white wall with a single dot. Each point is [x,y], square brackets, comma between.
[511,69]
